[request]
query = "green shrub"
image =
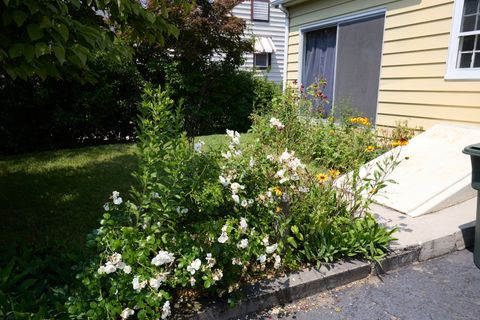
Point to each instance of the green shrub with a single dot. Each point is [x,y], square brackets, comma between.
[34,282]
[330,143]
[62,113]
[204,222]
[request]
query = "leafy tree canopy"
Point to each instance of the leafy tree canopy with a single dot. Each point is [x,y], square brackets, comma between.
[42,37]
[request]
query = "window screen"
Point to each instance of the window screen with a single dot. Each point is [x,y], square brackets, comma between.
[260,10]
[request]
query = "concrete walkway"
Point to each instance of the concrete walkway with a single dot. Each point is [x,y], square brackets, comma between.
[419,239]
[442,288]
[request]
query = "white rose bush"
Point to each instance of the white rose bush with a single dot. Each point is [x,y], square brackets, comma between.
[204,222]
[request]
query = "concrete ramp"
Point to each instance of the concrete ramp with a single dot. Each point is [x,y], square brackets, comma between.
[434,174]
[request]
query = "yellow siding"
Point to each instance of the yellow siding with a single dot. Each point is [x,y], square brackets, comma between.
[416,39]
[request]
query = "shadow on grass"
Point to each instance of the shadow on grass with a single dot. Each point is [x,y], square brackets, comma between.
[60,205]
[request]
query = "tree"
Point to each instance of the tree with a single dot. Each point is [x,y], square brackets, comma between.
[201,66]
[41,37]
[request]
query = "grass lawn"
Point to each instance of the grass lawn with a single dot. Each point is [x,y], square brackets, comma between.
[57,197]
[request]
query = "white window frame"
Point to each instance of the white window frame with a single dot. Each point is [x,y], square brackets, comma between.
[452,72]
[262,67]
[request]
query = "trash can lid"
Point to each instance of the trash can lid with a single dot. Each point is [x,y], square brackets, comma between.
[473,150]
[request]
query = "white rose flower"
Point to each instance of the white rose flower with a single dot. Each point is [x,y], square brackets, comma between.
[127,312]
[236,262]
[236,198]
[115,194]
[265,241]
[236,187]
[243,244]
[127,269]
[115,258]
[117,201]
[106,206]
[262,258]
[162,258]
[166,312]
[234,135]
[227,155]
[243,224]
[271,249]
[224,181]
[197,147]
[217,275]
[110,267]
[210,261]
[155,283]
[244,203]
[285,156]
[137,285]
[223,238]
[194,266]
[274,122]
[277,262]
[192,281]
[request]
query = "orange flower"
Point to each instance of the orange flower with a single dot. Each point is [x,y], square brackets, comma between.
[334,173]
[370,149]
[278,210]
[322,177]
[400,142]
[278,192]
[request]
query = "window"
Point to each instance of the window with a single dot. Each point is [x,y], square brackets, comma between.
[464,50]
[347,53]
[260,10]
[262,60]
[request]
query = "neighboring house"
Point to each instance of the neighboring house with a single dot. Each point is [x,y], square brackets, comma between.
[415,60]
[267,25]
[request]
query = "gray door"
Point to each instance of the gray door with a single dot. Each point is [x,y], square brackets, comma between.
[359,53]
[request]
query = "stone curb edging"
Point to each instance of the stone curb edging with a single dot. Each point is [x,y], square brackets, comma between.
[296,285]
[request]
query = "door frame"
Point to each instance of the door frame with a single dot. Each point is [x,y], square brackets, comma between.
[331,22]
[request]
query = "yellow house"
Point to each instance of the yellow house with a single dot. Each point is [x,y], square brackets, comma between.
[414,60]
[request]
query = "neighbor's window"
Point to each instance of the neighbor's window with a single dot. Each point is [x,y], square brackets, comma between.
[464,51]
[260,10]
[262,60]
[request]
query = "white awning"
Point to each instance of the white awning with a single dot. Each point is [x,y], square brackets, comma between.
[264,45]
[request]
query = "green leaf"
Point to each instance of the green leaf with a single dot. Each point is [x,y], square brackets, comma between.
[29,52]
[34,32]
[81,52]
[63,31]
[41,48]
[32,5]
[45,22]
[16,50]
[6,2]
[76,3]
[59,53]
[292,242]
[19,16]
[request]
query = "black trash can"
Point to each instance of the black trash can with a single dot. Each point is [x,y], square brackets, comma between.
[474,152]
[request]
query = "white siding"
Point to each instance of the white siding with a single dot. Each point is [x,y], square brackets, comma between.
[275,29]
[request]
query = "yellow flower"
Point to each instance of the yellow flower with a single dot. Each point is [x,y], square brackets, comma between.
[278,210]
[334,173]
[322,177]
[278,192]
[400,142]
[360,120]
[370,149]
